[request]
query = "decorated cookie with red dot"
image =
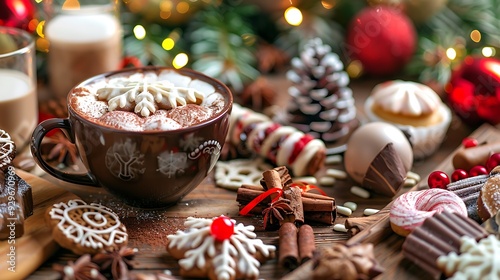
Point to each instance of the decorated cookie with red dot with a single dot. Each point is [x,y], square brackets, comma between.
[218,248]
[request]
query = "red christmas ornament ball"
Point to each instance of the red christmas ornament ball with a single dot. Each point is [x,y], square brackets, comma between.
[16,13]
[493,161]
[473,91]
[222,228]
[459,174]
[438,179]
[478,170]
[382,38]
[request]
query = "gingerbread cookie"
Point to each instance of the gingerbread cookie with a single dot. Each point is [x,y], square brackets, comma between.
[86,228]
[218,248]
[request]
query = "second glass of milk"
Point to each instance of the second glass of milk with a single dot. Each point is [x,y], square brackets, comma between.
[85,40]
[18,95]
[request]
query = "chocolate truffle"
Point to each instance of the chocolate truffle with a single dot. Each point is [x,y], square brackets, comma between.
[378,156]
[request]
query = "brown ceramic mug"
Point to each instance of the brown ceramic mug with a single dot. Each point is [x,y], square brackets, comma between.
[146,169]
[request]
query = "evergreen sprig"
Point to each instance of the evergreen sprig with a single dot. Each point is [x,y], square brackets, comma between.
[223,44]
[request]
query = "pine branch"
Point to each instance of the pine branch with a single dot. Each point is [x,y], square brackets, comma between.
[223,44]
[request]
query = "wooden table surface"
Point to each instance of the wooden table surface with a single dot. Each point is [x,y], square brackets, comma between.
[148,228]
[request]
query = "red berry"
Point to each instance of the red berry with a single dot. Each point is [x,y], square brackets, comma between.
[469,142]
[438,179]
[493,161]
[478,170]
[222,228]
[459,174]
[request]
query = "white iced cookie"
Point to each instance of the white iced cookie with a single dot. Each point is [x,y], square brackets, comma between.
[234,173]
[218,248]
[477,260]
[86,228]
[7,149]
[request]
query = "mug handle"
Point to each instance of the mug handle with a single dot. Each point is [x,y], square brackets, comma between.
[36,140]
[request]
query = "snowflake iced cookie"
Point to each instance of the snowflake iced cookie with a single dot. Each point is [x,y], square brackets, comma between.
[7,149]
[219,249]
[232,174]
[477,260]
[86,228]
[145,97]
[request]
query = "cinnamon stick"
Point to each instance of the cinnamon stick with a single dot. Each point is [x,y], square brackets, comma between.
[306,243]
[317,208]
[294,195]
[288,247]
[282,172]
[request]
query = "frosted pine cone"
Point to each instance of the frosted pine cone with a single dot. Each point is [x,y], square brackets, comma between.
[321,101]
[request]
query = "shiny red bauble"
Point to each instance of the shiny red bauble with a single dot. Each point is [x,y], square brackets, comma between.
[477,170]
[382,38]
[222,228]
[473,91]
[493,161]
[16,13]
[459,174]
[438,179]
[469,142]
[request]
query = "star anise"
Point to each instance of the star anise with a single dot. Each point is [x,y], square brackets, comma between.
[116,261]
[259,94]
[61,148]
[270,58]
[346,262]
[276,212]
[82,269]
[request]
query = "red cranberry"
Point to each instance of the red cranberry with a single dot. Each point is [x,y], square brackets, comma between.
[222,228]
[438,179]
[469,142]
[477,170]
[458,175]
[493,161]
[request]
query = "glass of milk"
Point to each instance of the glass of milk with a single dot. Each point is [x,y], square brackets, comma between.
[18,97]
[85,40]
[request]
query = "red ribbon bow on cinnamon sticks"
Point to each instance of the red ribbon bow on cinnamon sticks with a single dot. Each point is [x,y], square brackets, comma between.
[304,187]
[280,199]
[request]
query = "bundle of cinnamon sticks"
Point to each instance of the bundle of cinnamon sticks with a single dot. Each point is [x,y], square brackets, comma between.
[306,207]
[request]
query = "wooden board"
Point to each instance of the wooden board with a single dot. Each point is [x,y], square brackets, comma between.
[148,228]
[37,244]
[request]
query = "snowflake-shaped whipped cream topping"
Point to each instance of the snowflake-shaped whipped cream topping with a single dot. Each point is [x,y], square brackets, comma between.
[477,260]
[146,96]
[231,256]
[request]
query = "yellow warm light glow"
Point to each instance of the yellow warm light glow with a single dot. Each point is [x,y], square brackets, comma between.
[328,4]
[139,32]
[475,36]
[39,29]
[168,44]
[182,7]
[354,69]
[71,5]
[42,44]
[451,53]
[293,16]
[180,60]
[38,1]
[166,6]
[488,51]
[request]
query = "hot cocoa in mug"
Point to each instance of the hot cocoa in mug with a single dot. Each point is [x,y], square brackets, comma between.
[148,135]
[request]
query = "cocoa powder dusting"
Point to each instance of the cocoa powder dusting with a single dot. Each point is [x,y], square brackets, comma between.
[152,231]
